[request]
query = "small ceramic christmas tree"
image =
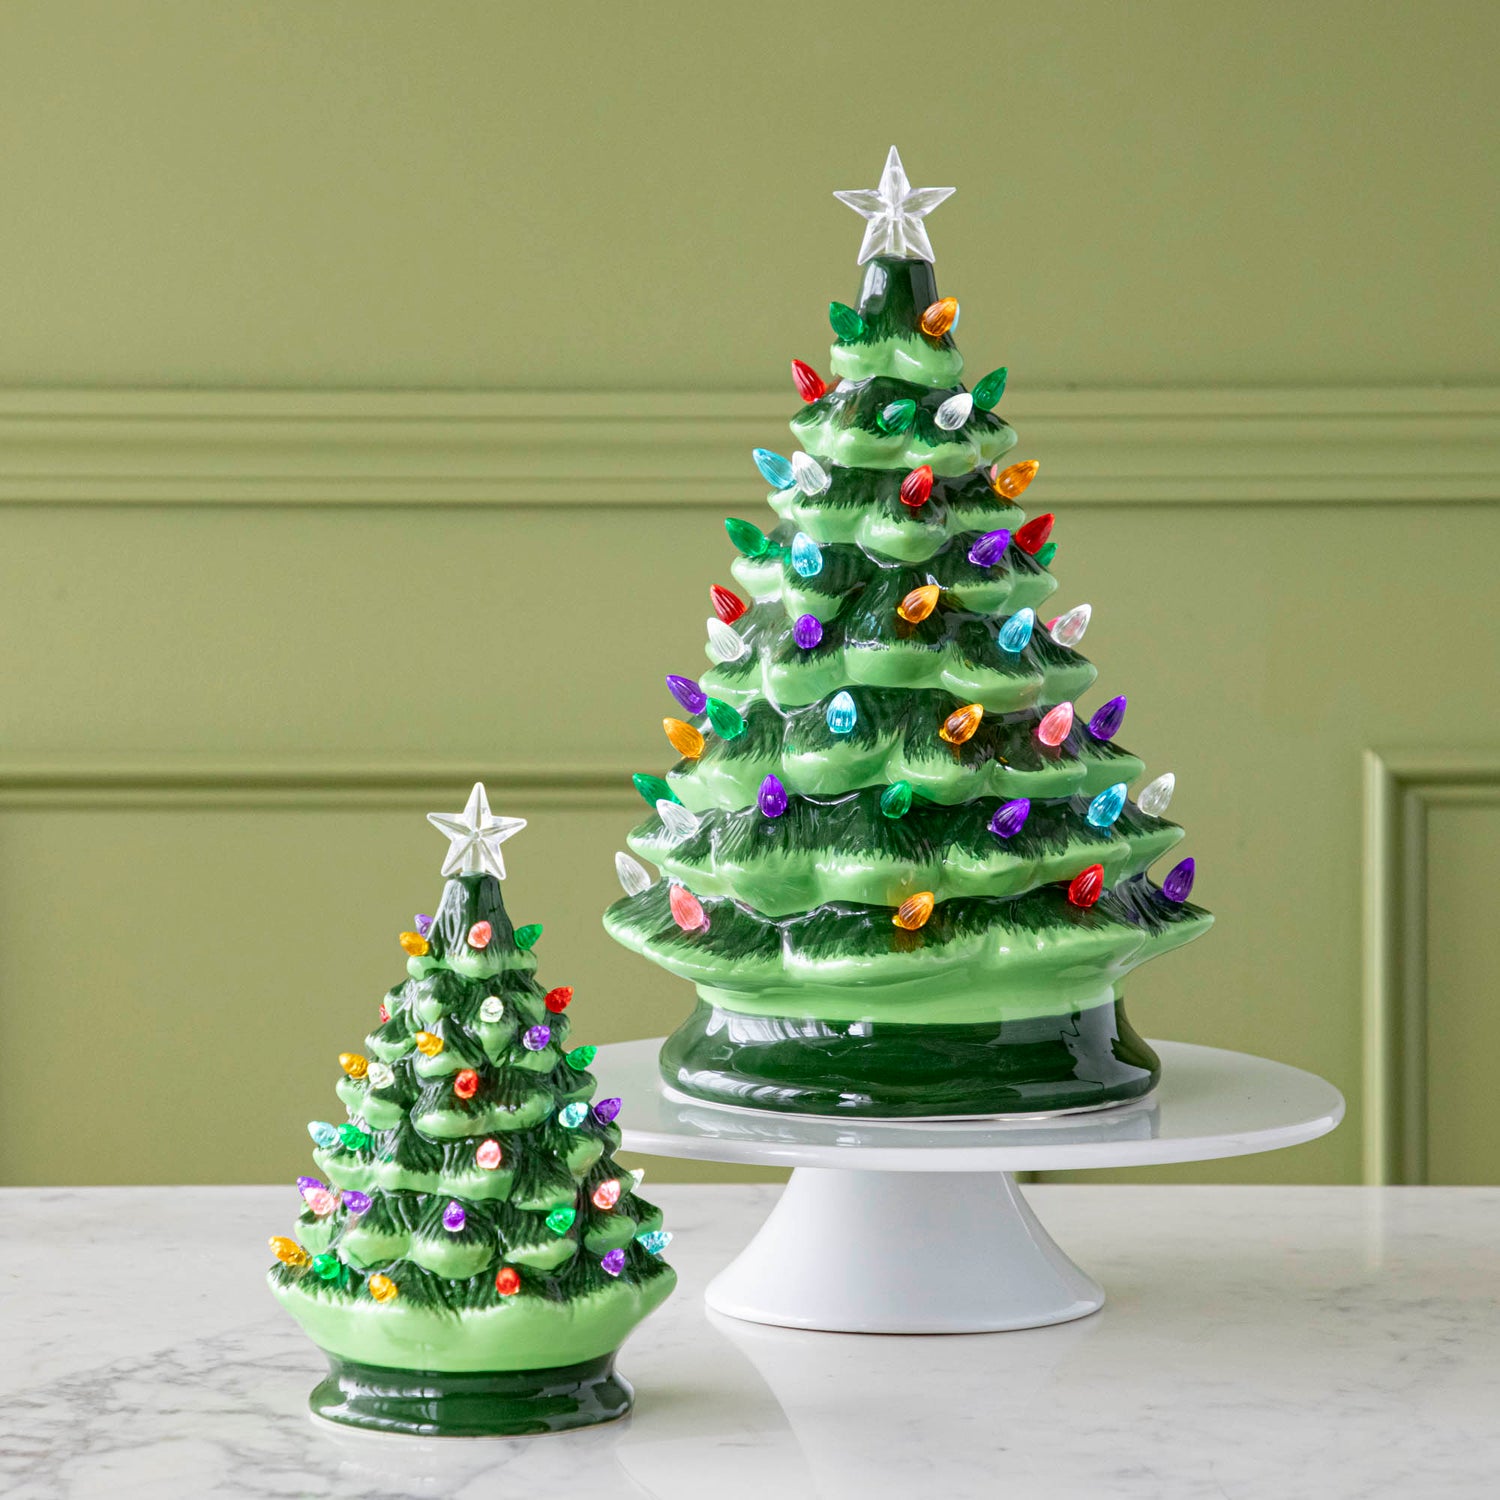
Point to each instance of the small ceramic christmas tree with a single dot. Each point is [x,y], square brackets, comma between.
[904,873]
[471,1257]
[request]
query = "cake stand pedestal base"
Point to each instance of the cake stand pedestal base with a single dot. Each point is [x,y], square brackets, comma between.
[903,1252]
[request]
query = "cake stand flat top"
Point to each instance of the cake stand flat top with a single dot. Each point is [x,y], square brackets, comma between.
[1211,1103]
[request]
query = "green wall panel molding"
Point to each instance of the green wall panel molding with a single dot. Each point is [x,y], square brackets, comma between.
[689,448]
[1401,789]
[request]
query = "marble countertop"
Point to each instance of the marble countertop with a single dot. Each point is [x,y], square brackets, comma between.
[1257,1342]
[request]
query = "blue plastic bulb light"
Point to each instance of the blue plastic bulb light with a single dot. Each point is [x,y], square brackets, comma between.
[842,713]
[1016,632]
[807,556]
[774,469]
[1106,807]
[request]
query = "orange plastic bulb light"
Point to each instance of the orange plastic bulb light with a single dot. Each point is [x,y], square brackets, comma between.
[917,486]
[810,385]
[960,725]
[607,1194]
[919,603]
[382,1288]
[428,1044]
[914,912]
[507,1281]
[683,738]
[415,944]
[466,1083]
[727,604]
[687,909]
[353,1064]
[1087,886]
[1010,482]
[289,1252]
[1056,723]
[940,317]
[1034,533]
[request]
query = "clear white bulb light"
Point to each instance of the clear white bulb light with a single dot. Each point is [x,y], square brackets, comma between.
[1156,797]
[632,874]
[725,643]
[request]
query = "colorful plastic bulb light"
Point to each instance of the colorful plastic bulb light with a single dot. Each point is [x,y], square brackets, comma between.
[1108,717]
[423,923]
[919,603]
[728,722]
[607,1194]
[528,935]
[810,385]
[580,1057]
[687,693]
[808,631]
[1055,725]
[914,911]
[1036,531]
[353,1064]
[845,322]
[415,944]
[573,1115]
[352,1138]
[480,934]
[612,1262]
[637,1177]
[1015,634]
[428,1043]
[990,548]
[1178,885]
[896,416]
[687,909]
[654,1241]
[454,1217]
[653,788]
[958,728]
[607,1110]
[678,822]
[327,1267]
[683,738]
[536,1038]
[466,1083]
[1087,886]
[1010,819]
[289,1252]
[632,874]
[807,556]
[916,488]
[1045,554]
[488,1155]
[987,392]
[774,469]
[748,538]
[809,475]
[728,605]
[356,1202]
[507,1281]
[1010,481]
[320,1202]
[1068,628]
[385,1012]
[726,643]
[559,999]
[1156,796]
[492,1009]
[939,317]
[954,412]
[380,1076]
[771,797]
[382,1288]
[306,1185]
[895,800]
[1106,808]
[842,714]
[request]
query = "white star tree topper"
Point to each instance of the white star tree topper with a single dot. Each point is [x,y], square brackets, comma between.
[895,211]
[475,836]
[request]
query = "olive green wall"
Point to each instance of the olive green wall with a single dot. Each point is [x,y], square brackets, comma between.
[377,378]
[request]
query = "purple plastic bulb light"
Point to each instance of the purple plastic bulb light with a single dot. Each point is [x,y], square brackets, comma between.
[537,1038]
[1105,724]
[772,797]
[454,1217]
[613,1263]
[357,1202]
[1178,885]
[1011,819]
[990,548]
[688,694]
[606,1110]
[309,1184]
[808,631]
[423,924]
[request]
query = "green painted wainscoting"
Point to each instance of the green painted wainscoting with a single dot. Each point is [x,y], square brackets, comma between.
[252,638]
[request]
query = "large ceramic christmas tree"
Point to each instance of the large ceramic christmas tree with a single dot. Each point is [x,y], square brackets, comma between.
[902,868]
[471,1257]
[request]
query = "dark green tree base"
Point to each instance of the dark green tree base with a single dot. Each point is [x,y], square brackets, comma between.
[793,1065]
[481,1403]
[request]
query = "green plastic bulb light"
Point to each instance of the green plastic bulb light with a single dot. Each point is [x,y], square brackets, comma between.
[526,936]
[327,1267]
[580,1057]
[747,537]
[560,1220]
[353,1137]
[895,800]
[847,323]
[728,723]
[653,789]
[1045,554]
[989,390]
[897,417]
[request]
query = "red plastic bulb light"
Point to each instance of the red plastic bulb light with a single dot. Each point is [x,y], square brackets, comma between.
[1087,886]
[507,1281]
[728,605]
[466,1083]
[809,383]
[557,1000]
[1056,723]
[1031,536]
[917,486]
[687,909]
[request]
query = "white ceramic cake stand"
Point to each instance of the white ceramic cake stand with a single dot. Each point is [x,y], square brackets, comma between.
[919,1227]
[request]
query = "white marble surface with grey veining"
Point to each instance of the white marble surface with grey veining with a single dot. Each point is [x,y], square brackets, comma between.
[1287,1343]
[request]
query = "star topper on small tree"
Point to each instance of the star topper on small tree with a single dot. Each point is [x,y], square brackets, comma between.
[475,836]
[895,211]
